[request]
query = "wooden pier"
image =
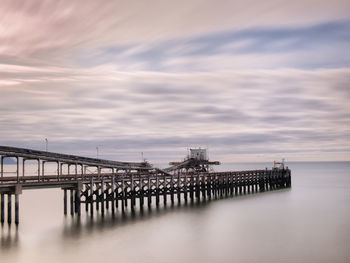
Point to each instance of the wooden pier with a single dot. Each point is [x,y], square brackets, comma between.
[117,185]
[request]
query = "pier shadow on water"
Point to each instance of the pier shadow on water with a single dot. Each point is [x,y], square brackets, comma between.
[85,225]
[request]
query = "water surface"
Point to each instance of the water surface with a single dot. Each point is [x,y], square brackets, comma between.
[308,223]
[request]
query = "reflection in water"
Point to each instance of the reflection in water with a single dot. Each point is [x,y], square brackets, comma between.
[75,227]
[9,236]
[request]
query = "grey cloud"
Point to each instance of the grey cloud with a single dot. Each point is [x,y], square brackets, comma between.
[231,114]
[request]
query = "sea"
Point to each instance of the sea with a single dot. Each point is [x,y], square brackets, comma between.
[309,222]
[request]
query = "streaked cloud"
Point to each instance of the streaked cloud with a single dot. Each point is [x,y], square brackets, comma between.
[249,80]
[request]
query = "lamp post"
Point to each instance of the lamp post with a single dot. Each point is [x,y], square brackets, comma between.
[98,150]
[47,144]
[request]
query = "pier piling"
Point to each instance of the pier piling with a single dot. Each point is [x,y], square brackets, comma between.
[9,208]
[2,209]
[102,198]
[65,201]
[16,209]
[71,203]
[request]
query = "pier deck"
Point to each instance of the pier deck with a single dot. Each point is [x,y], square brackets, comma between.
[119,183]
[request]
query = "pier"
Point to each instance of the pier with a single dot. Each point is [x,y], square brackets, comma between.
[119,185]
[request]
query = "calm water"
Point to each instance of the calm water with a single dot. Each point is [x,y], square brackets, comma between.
[308,223]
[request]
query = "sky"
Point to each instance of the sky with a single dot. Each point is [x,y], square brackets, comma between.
[252,81]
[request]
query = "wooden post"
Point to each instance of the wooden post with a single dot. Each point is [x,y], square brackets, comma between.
[38,169]
[102,197]
[149,192]
[61,169]
[240,183]
[185,188]
[2,209]
[86,194]
[165,190]
[203,185]
[209,185]
[123,195]
[91,196]
[191,187]
[172,189]
[198,193]
[113,192]
[248,176]
[126,195]
[157,190]
[43,170]
[58,171]
[107,195]
[132,192]
[178,188]
[17,169]
[214,186]
[221,185]
[227,184]
[71,203]
[77,194]
[236,183]
[76,171]
[116,192]
[9,208]
[140,191]
[16,209]
[23,169]
[65,201]
[97,197]
[75,201]
[2,168]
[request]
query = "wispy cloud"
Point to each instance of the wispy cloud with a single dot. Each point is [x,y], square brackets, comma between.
[133,78]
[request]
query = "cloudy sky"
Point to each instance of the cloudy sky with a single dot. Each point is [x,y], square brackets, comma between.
[251,80]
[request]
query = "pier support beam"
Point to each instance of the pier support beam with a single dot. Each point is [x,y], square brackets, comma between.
[113,193]
[65,201]
[91,196]
[132,192]
[157,190]
[2,209]
[2,167]
[141,191]
[185,188]
[9,208]
[149,191]
[77,202]
[191,187]
[172,189]
[16,209]
[123,195]
[178,188]
[102,197]
[71,203]
[164,190]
